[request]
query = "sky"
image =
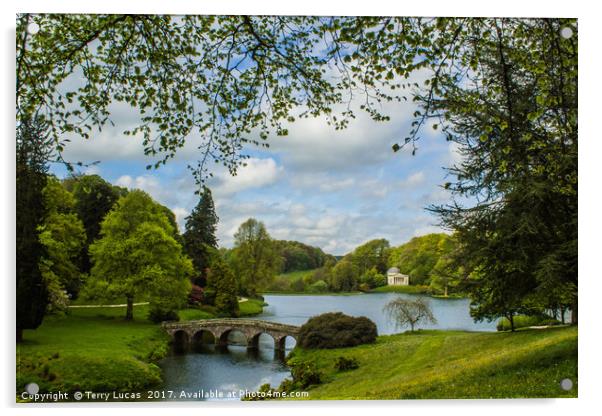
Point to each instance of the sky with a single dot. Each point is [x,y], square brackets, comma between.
[334,189]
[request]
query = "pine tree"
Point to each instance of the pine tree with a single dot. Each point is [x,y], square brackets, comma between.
[199,237]
[32,296]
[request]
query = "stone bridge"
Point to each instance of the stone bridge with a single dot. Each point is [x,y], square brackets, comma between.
[191,332]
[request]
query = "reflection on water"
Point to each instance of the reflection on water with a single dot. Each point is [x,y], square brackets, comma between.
[296,310]
[206,369]
[229,371]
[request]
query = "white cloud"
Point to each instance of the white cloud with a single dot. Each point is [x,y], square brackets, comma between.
[256,174]
[181,214]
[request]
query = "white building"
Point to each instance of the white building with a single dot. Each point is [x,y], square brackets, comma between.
[394,278]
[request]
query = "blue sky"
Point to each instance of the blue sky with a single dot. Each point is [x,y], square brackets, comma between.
[323,187]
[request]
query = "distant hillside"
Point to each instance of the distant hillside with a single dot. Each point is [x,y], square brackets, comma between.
[418,256]
[298,256]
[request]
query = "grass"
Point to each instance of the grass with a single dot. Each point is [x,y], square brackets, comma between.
[96,349]
[92,349]
[313,293]
[194,314]
[402,289]
[251,307]
[451,364]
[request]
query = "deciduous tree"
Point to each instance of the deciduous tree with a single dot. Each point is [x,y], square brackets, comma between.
[138,256]
[404,312]
[255,259]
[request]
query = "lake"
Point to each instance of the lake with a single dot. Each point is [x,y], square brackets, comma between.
[210,372]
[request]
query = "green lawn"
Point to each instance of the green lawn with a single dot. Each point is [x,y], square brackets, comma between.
[251,307]
[93,349]
[402,289]
[451,364]
[96,349]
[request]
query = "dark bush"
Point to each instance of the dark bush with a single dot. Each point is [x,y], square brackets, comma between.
[305,374]
[158,315]
[195,296]
[336,330]
[343,364]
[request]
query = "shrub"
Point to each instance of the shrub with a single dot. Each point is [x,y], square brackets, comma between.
[158,314]
[343,364]
[336,330]
[523,321]
[319,287]
[304,375]
[298,285]
[195,296]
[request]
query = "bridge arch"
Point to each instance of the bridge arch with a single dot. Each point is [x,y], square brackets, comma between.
[194,331]
[255,338]
[181,340]
[223,337]
[283,340]
[203,337]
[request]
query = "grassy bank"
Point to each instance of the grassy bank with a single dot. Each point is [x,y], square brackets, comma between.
[92,349]
[451,364]
[418,289]
[250,307]
[96,349]
[313,293]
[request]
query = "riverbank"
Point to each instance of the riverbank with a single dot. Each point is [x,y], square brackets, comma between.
[312,293]
[412,290]
[92,349]
[450,364]
[95,349]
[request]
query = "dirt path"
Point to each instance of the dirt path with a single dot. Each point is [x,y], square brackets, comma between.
[123,305]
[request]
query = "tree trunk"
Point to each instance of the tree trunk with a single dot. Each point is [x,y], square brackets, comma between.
[511,319]
[129,312]
[19,334]
[562,310]
[574,312]
[445,291]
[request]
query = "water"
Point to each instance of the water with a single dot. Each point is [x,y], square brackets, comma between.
[230,372]
[296,310]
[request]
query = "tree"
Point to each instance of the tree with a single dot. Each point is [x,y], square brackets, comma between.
[223,283]
[372,278]
[62,234]
[406,312]
[138,256]
[94,197]
[299,256]
[32,294]
[374,253]
[503,90]
[344,277]
[199,237]
[418,257]
[448,273]
[270,72]
[515,124]
[255,258]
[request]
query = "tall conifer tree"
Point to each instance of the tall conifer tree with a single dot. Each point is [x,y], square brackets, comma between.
[199,237]
[32,296]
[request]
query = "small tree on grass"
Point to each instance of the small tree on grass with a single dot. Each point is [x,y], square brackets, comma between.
[406,312]
[222,282]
